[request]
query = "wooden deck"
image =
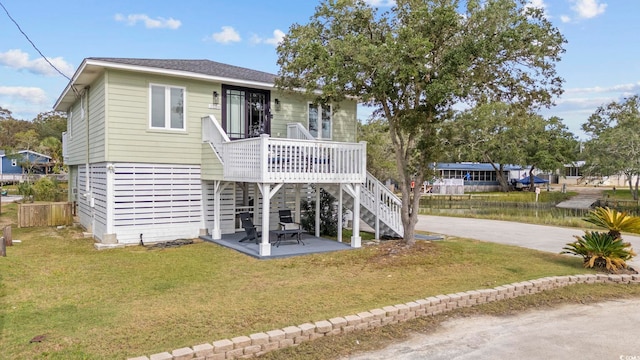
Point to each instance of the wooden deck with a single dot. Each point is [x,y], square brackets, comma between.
[265,159]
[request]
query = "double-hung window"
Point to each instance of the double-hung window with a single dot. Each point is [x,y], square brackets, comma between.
[167,107]
[320,121]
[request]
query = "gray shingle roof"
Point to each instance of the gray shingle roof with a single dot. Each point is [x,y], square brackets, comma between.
[206,67]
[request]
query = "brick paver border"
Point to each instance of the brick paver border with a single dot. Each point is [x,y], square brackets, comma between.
[254,345]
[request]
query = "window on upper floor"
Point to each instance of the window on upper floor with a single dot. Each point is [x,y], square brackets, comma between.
[319,117]
[166,108]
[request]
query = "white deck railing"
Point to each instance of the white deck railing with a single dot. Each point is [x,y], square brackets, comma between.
[275,160]
[375,195]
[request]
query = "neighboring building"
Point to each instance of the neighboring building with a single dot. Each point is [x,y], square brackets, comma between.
[478,176]
[166,149]
[23,162]
[572,174]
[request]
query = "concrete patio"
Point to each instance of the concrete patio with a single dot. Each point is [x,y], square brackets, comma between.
[288,247]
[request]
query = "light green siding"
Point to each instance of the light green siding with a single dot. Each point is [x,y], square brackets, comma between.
[96,111]
[345,122]
[76,135]
[117,122]
[211,167]
[86,120]
[130,137]
[294,108]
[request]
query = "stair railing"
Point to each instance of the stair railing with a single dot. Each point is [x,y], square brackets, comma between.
[213,134]
[383,203]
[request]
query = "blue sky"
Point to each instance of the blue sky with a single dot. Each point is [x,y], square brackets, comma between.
[601,63]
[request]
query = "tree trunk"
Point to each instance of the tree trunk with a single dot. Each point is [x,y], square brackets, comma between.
[410,208]
[504,184]
[635,192]
[532,184]
[630,182]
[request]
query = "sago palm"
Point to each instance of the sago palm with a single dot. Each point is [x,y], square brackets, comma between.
[614,221]
[601,250]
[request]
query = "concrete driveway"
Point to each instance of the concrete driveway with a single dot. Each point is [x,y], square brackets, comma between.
[592,332]
[539,237]
[597,331]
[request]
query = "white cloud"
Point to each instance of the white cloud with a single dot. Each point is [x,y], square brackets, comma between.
[587,9]
[380,3]
[623,88]
[19,60]
[227,35]
[278,36]
[575,105]
[30,95]
[149,23]
[537,4]
[565,18]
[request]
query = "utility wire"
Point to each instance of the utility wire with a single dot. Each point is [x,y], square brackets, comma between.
[34,45]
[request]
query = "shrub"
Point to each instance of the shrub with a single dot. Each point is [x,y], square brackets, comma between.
[328,216]
[601,250]
[614,221]
[605,250]
[47,189]
[25,189]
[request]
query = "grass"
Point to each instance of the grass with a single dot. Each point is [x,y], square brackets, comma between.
[619,194]
[553,197]
[133,301]
[543,217]
[518,206]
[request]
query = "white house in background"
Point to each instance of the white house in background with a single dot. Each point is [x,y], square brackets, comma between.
[167,149]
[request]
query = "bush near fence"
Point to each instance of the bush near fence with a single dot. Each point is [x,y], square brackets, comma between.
[48,214]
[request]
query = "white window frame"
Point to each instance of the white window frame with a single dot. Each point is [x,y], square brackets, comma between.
[167,107]
[319,107]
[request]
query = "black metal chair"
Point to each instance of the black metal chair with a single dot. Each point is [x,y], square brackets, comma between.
[286,220]
[251,233]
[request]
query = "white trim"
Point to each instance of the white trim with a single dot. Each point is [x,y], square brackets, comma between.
[157,71]
[167,107]
[33,153]
[179,73]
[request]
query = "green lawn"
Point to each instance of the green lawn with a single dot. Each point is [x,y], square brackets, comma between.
[620,194]
[134,301]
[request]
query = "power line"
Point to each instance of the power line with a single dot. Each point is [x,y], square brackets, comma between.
[34,45]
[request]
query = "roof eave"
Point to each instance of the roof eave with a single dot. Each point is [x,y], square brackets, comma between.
[152,70]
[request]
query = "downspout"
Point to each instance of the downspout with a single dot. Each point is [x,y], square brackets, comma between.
[86,172]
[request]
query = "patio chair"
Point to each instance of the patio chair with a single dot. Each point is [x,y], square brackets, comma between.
[251,233]
[286,220]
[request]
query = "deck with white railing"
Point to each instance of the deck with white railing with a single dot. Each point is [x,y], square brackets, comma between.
[290,160]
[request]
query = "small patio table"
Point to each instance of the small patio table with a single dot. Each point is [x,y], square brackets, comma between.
[281,234]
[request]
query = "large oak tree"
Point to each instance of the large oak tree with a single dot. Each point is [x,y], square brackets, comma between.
[416,61]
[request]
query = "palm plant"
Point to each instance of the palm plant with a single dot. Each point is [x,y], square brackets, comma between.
[614,221]
[601,250]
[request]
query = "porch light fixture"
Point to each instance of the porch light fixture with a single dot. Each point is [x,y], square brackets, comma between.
[216,99]
[277,104]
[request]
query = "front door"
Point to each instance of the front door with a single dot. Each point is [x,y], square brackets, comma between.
[245,112]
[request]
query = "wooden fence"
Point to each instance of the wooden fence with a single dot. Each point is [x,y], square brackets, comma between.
[50,214]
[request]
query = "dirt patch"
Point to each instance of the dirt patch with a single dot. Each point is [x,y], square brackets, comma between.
[391,251]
